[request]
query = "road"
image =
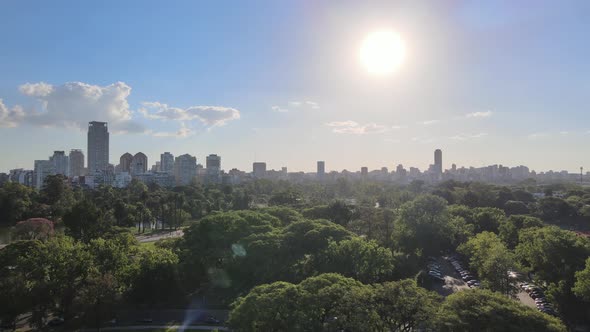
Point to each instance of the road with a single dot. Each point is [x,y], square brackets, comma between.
[162,327]
[159,236]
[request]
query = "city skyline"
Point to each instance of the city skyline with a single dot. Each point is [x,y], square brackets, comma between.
[290,93]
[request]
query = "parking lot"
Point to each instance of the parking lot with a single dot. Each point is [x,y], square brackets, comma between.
[452,280]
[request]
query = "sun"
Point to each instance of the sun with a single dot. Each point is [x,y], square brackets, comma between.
[382,52]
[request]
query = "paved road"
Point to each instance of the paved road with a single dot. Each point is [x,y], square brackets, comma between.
[160,236]
[163,327]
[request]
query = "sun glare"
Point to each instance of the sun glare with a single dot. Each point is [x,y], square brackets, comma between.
[382,52]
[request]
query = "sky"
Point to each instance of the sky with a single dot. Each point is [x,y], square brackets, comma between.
[488,82]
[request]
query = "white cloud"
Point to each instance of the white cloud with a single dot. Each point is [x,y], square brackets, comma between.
[74,104]
[279,109]
[485,114]
[352,127]
[463,137]
[10,118]
[304,104]
[537,135]
[564,133]
[182,132]
[428,122]
[40,89]
[313,104]
[210,116]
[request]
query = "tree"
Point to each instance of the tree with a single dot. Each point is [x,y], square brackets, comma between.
[16,201]
[57,193]
[155,279]
[554,210]
[34,229]
[552,253]
[487,219]
[357,258]
[509,228]
[85,222]
[269,307]
[483,310]
[491,260]
[423,226]
[582,285]
[98,297]
[403,306]
[516,207]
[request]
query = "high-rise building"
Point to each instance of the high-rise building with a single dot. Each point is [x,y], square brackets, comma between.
[139,164]
[259,169]
[167,162]
[76,162]
[125,162]
[43,168]
[321,168]
[364,171]
[60,163]
[98,147]
[213,162]
[438,161]
[185,169]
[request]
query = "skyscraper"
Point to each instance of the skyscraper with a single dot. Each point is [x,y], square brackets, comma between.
[43,168]
[60,163]
[98,147]
[213,162]
[185,169]
[76,162]
[438,161]
[321,168]
[259,169]
[125,162]
[167,162]
[139,164]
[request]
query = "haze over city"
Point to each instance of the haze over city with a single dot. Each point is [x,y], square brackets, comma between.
[291,83]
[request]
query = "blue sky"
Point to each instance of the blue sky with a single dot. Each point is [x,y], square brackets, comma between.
[280,81]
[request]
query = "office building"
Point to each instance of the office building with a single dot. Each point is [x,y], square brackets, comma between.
[76,162]
[125,162]
[213,162]
[364,171]
[60,163]
[438,161]
[98,147]
[259,169]
[185,169]
[43,168]
[139,164]
[321,168]
[167,162]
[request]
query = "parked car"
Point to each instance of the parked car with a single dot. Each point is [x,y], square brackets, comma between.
[57,321]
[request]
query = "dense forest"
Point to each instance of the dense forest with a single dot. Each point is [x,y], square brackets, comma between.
[281,256]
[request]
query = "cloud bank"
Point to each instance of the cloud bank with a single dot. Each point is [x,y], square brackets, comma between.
[355,128]
[74,104]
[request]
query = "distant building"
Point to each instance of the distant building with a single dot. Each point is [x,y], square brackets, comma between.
[139,164]
[22,176]
[61,163]
[161,179]
[43,168]
[185,169]
[364,171]
[259,169]
[213,165]
[321,168]
[156,167]
[125,162]
[98,146]
[76,163]
[167,162]
[438,161]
